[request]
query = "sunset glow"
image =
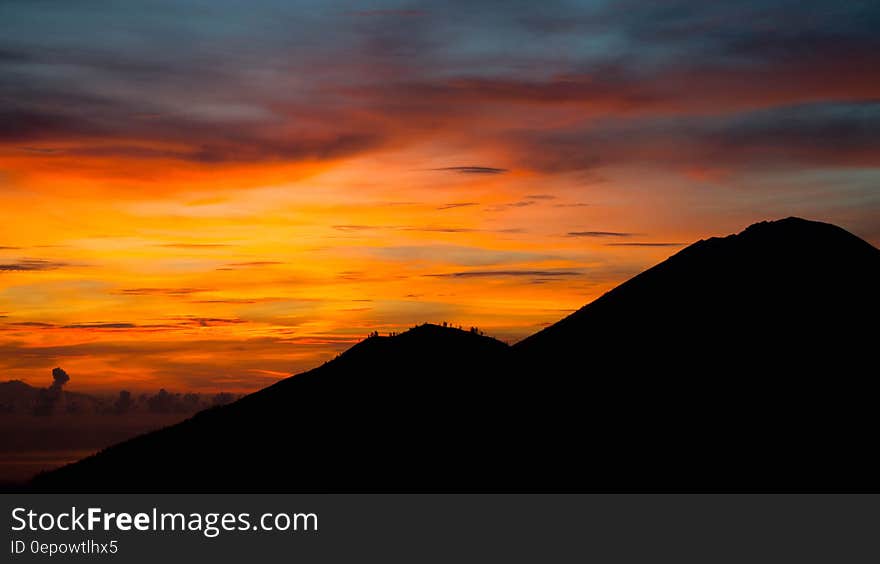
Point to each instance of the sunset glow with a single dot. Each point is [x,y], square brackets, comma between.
[187,205]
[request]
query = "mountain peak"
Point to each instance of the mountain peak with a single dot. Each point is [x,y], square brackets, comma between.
[794,241]
[432,330]
[805,275]
[428,335]
[793,230]
[790,222]
[789,226]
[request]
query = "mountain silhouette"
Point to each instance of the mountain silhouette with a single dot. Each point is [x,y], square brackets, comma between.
[780,294]
[390,412]
[741,363]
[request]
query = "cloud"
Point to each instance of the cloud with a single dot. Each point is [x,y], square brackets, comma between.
[508,273]
[166,402]
[639,244]
[59,377]
[674,57]
[210,364]
[224,398]
[426,228]
[17,125]
[442,229]
[94,126]
[32,265]
[438,81]
[390,13]
[99,325]
[598,234]
[194,245]
[206,321]
[49,397]
[357,227]
[815,135]
[512,205]
[238,300]
[472,169]
[124,403]
[13,56]
[41,150]
[250,264]
[463,255]
[161,291]
[457,205]
[175,402]
[239,100]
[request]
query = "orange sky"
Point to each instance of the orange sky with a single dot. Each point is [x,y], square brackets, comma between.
[234,288]
[203,203]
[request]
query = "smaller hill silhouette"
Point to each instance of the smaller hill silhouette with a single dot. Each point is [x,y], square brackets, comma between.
[746,362]
[391,412]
